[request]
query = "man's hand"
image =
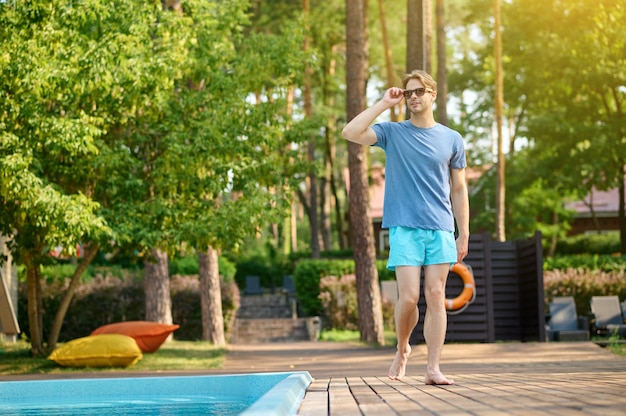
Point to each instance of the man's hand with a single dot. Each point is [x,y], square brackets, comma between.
[462,248]
[393,96]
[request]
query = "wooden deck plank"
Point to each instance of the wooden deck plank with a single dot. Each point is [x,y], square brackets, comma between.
[315,403]
[369,401]
[341,401]
[399,403]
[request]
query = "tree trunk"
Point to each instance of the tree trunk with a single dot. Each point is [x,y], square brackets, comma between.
[391,78]
[312,177]
[368,292]
[442,71]
[331,149]
[418,41]
[499,98]
[90,254]
[157,287]
[622,208]
[211,298]
[415,51]
[428,36]
[35,310]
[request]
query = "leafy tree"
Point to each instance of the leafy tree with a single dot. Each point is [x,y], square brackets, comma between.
[564,95]
[54,76]
[146,112]
[573,92]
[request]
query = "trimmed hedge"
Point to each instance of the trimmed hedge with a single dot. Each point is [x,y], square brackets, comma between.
[608,243]
[602,262]
[308,273]
[108,299]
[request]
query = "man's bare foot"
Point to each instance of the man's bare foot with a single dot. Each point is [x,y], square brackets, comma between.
[398,367]
[437,378]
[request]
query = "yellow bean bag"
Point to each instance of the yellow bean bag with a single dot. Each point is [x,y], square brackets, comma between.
[108,350]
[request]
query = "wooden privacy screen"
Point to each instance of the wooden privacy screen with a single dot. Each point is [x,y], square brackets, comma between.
[509,303]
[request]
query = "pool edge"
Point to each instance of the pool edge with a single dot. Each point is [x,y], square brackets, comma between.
[284,399]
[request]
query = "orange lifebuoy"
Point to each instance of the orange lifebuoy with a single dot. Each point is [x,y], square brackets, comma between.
[467,296]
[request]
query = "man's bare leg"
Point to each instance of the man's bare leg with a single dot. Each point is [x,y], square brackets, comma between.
[406,316]
[435,321]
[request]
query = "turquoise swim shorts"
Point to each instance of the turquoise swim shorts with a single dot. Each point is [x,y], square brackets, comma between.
[419,247]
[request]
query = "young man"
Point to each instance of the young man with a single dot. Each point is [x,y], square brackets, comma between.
[425,191]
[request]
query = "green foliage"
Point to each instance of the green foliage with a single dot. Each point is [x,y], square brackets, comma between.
[583,284]
[383,272]
[563,95]
[62,271]
[339,302]
[308,274]
[589,262]
[589,244]
[307,277]
[187,265]
[269,276]
[107,299]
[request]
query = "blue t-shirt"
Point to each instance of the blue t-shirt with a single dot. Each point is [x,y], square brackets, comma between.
[417,174]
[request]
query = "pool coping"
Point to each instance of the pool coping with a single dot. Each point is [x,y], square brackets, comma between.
[283,399]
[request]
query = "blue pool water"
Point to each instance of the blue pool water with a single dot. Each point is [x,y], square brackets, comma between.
[264,394]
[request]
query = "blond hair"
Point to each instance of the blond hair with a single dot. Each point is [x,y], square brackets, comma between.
[424,77]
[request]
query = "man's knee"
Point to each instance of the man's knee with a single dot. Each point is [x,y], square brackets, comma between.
[435,296]
[407,301]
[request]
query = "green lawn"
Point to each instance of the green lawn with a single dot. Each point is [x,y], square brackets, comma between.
[354,336]
[173,355]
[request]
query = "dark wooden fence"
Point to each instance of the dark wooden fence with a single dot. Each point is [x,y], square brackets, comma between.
[509,303]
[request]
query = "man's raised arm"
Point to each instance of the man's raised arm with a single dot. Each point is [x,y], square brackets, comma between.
[358,130]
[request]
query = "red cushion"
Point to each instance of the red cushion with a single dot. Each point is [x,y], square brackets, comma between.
[148,335]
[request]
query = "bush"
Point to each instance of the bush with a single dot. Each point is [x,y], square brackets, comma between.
[187,265]
[307,277]
[308,273]
[604,263]
[582,285]
[108,299]
[608,243]
[339,302]
[102,300]
[270,275]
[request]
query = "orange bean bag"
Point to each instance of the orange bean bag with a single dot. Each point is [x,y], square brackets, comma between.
[148,335]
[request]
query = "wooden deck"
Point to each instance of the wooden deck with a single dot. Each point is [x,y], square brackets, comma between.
[477,394]
[522,379]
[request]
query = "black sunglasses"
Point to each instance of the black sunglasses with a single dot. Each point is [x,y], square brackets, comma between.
[418,91]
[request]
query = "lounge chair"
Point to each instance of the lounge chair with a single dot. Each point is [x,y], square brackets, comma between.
[253,285]
[564,323]
[289,286]
[608,317]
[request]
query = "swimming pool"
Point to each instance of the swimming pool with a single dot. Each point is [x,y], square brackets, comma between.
[264,394]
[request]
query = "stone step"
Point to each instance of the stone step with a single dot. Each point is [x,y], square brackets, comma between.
[267,306]
[258,331]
